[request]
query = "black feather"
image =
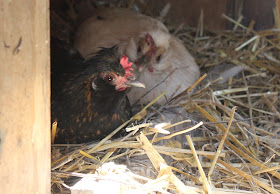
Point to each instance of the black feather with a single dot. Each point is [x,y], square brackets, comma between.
[84,114]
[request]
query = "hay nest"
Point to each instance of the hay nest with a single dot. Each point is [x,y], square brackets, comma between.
[237,147]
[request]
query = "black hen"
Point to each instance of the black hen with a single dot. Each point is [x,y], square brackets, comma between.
[89,97]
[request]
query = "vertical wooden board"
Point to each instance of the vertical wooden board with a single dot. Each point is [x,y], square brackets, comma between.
[25,97]
[260,11]
[277,5]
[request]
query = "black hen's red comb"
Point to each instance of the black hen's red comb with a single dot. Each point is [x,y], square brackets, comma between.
[126,66]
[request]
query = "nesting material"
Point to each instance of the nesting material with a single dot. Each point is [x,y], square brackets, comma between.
[237,149]
[113,178]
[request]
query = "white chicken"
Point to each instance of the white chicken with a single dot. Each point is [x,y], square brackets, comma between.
[159,57]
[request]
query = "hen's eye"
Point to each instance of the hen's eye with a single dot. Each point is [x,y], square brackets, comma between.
[158,58]
[109,78]
[139,49]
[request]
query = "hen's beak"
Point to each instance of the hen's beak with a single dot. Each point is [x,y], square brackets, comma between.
[135,83]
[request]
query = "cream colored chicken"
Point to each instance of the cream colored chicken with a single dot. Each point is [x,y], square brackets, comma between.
[146,41]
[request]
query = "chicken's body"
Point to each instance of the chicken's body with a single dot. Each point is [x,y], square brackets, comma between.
[145,41]
[88,97]
[122,27]
[173,76]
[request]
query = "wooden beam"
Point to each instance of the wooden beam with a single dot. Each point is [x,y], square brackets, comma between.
[277,2]
[25,97]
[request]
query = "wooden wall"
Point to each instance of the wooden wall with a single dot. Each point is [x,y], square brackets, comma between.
[260,11]
[188,12]
[24,97]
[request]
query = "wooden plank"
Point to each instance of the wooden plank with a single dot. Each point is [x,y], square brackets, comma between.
[188,12]
[260,11]
[277,4]
[234,10]
[25,97]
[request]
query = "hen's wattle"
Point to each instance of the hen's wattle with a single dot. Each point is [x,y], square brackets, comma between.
[88,97]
